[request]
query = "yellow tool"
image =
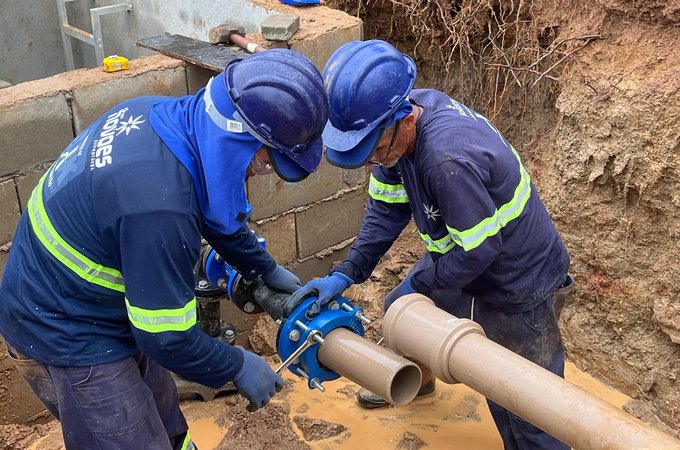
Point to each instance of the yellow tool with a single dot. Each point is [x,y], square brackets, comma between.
[114,63]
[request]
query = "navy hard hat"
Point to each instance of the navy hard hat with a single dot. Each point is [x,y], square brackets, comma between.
[368,83]
[280,97]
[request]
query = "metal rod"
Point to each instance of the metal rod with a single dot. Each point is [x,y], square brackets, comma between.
[309,341]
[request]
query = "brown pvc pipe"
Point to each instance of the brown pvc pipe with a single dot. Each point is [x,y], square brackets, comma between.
[376,368]
[457,349]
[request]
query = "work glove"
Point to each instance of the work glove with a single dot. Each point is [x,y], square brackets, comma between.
[256,381]
[325,289]
[404,288]
[282,279]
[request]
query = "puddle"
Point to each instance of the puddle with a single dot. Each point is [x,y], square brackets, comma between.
[455,417]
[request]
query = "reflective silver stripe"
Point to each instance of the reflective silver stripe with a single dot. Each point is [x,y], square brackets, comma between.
[80,264]
[473,237]
[388,193]
[160,320]
[442,245]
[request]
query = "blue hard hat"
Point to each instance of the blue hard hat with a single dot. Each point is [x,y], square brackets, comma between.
[280,96]
[368,83]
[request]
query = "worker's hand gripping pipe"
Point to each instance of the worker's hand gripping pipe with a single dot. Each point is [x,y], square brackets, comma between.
[457,349]
[324,347]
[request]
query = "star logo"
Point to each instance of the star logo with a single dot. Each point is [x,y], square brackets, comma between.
[430,212]
[129,125]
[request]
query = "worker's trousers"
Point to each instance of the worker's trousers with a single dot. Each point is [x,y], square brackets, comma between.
[533,334]
[127,404]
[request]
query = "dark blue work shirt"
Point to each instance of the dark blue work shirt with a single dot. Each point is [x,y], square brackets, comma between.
[475,207]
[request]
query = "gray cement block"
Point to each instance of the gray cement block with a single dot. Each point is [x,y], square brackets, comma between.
[9,211]
[270,195]
[34,130]
[280,236]
[280,27]
[90,102]
[197,77]
[320,49]
[329,223]
[355,177]
[315,267]
[3,260]
[27,182]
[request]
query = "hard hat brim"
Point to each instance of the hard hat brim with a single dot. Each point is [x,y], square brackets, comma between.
[294,170]
[342,141]
[359,155]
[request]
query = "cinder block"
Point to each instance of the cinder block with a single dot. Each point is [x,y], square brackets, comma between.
[329,223]
[320,48]
[9,211]
[197,77]
[26,183]
[318,266]
[91,101]
[280,236]
[33,130]
[3,261]
[270,195]
[280,27]
[355,177]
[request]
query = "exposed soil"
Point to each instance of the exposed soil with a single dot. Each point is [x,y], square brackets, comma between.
[589,94]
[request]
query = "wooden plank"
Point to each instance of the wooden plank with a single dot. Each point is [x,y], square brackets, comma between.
[204,54]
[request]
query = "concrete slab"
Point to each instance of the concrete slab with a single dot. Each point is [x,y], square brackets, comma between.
[32,130]
[280,235]
[270,195]
[329,223]
[90,102]
[280,27]
[9,211]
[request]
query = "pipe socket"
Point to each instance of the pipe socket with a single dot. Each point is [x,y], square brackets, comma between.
[376,368]
[457,349]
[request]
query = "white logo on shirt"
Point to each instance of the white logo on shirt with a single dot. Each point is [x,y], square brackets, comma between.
[130,124]
[430,212]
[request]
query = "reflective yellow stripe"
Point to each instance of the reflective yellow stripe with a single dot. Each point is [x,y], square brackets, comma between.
[473,237]
[159,320]
[442,245]
[388,193]
[80,264]
[187,444]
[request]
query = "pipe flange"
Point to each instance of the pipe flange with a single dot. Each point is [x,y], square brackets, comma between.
[341,314]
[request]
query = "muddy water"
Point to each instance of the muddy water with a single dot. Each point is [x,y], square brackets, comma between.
[455,417]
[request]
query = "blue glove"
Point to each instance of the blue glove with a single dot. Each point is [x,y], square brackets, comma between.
[282,279]
[256,381]
[404,288]
[325,289]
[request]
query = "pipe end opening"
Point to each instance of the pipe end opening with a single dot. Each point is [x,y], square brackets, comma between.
[405,385]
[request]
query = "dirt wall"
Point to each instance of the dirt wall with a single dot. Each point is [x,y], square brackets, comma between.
[590,94]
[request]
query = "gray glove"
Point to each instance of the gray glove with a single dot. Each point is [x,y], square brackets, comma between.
[282,279]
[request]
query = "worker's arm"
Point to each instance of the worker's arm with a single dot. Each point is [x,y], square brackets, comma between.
[470,216]
[158,252]
[241,250]
[387,213]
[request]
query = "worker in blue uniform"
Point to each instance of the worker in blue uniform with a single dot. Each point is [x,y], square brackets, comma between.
[493,254]
[97,302]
